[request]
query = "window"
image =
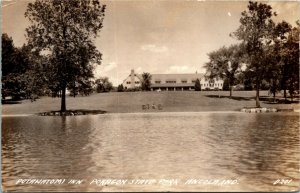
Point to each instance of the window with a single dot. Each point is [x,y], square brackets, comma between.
[128,82]
[193,81]
[157,82]
[171,81]
[137,82]
[183,81]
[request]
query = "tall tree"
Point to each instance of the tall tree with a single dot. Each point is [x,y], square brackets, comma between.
[256,25]
[197,85]
[289,53]
[64,30]
[226,63]
[15,63]
[8,55]
[146,81]
[282,57]
[273,57]
[34,77]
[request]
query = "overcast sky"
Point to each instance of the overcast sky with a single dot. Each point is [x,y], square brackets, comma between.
[156,36]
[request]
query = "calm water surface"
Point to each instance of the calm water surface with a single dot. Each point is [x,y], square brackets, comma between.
[254,149]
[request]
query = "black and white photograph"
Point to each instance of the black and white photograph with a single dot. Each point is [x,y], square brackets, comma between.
[150,96]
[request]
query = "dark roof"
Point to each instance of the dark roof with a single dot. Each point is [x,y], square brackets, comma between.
[172,85]
[176,76]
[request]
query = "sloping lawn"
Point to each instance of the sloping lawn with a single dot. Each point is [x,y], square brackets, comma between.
[130,102]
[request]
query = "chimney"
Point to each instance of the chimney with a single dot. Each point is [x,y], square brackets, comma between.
[132,80]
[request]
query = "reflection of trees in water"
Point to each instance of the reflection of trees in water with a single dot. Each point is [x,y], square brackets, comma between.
[256,148]
[271,142]
[51,147]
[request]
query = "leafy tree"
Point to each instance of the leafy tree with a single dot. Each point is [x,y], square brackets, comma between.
[64,30]
[197,85]
[226,63]
[8,55]
[255,29]
[274,71]
[120,88]
[103,85]
[15,63]
[290,61]
[146,81]
[282,57]
[82,86]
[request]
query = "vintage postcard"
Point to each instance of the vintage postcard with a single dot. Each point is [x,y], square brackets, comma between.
[150,95]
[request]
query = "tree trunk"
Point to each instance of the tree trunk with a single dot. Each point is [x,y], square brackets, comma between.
[291,94]
[274,91]
[74,90]
[284,84]
[284,94]
[230,91]
[63,99]
[257,94]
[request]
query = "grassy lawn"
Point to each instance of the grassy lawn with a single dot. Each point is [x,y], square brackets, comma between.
[129,102]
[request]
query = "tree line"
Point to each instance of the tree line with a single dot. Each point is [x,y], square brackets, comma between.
[268,53]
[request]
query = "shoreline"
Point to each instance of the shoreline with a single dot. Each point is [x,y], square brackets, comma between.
[146,102]
[162,112]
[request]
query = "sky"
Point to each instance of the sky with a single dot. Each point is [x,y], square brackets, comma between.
[156,36]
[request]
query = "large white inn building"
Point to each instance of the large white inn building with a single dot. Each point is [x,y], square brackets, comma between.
[173,82]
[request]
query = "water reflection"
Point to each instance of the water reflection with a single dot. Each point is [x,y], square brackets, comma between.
[254,148]
[45,148]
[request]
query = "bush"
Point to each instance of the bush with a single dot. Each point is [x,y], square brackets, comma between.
[120,88]
[103,85]
[133,89]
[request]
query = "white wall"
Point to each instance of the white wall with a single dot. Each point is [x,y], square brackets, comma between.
[215,84]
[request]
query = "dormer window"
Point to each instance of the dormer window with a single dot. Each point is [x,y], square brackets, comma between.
[171,81]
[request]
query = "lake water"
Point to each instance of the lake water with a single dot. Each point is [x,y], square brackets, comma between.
[251,150]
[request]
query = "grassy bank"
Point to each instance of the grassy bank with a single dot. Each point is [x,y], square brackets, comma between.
[128,102]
